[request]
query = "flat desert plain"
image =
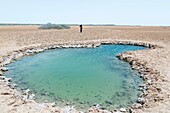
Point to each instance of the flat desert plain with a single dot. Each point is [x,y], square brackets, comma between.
[14,38]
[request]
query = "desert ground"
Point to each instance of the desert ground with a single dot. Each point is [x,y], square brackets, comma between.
[13,38]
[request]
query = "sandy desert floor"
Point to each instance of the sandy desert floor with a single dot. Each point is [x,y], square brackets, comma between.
[16,37]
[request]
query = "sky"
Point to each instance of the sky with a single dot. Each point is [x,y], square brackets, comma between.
[119,12]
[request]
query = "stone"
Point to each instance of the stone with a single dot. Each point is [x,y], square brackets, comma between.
[66,46]
[96,45]
[149,82]
[8,79]
[136,106]
[29,51]
[141,100]
[53,104]
[39,50]
[89,46]
[6,61]
[1,73]
[31,96]
[118,112]
[4,69]
[2,77]
[26,92]
[122,109]
[19,55]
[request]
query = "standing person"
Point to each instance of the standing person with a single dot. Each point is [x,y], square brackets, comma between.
[81,28]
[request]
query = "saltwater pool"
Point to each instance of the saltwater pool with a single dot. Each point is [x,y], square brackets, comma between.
[79,77]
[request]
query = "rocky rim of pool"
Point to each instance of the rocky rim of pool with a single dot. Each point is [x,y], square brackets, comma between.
[135,63]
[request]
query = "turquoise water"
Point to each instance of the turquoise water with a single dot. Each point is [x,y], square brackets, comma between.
[79,76]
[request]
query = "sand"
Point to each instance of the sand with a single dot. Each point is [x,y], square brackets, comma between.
[13,38]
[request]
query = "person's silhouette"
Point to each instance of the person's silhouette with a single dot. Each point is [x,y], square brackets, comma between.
[81,28]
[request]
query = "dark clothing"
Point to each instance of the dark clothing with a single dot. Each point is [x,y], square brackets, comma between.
[81,28]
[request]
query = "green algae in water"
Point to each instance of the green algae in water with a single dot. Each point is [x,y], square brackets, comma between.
[81,77]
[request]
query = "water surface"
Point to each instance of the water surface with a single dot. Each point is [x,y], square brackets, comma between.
[81,77]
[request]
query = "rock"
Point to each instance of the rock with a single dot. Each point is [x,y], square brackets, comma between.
[25,97]
[31,96]
[79,46]
[69,109]
[6,61]
[118,112]
[15,85]
[39,50]
[8,79]
[122,109]
[136,106]
[96,45]
[149,82]
[52,47]
[53,104]
[66,46]
[4,69]
[98,106]
[19,55]
[1,73]
[2,77]
[89,46]
[130,111]
[141,100]
[29,51]
[26,92]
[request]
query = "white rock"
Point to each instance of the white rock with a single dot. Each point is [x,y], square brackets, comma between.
[52,47]
[1,73]
[78,46]
[8,79]
[39,50]
[57,46]
[3,68]
[98,106]
[6,61]
[118,112]
[96,44]
[26,92]
[89,46]
[149,81]
[2,77]
[136,106]
[29,51]
[66,46]
[25,97]
[53,104]
[31,96]
[141,100]
[122,109]
[19,55]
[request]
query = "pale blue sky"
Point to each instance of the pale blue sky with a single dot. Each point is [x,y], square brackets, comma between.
[119,12]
